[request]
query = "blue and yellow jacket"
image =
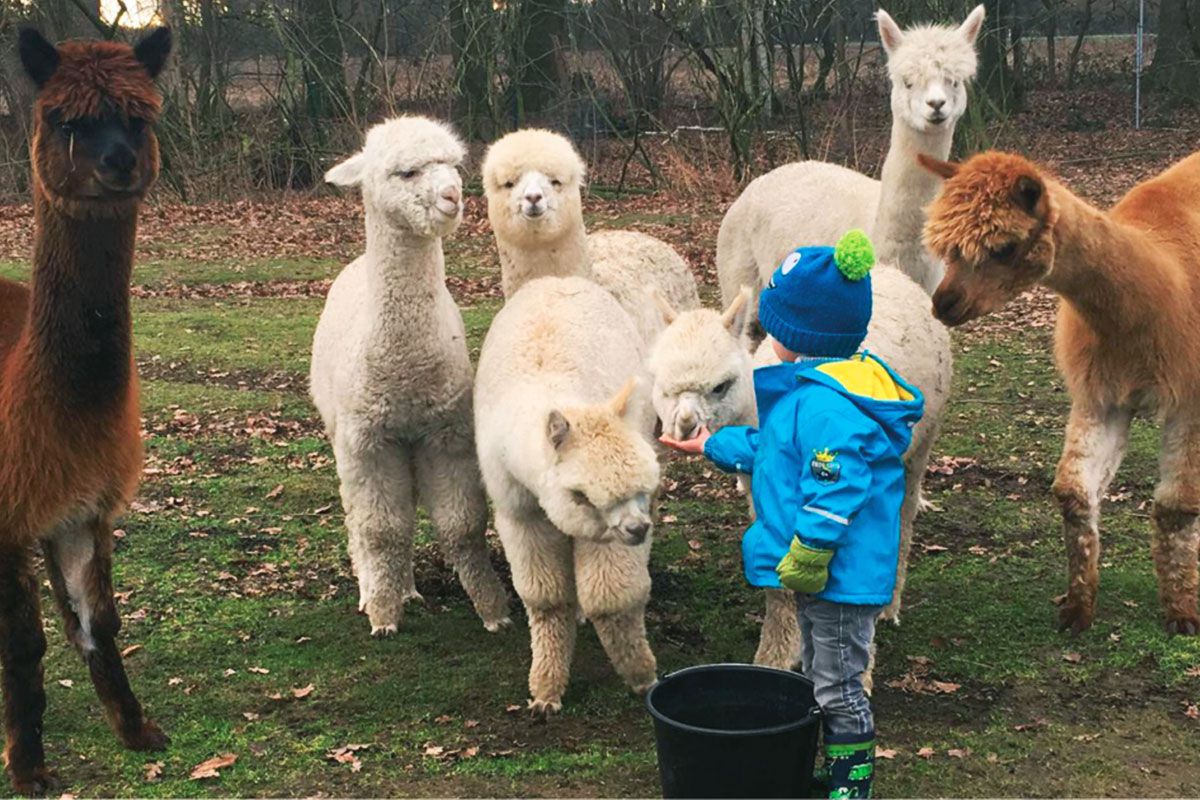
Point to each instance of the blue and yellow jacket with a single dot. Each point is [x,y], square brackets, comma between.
[828,469]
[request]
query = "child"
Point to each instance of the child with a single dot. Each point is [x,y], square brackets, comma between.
[828,482]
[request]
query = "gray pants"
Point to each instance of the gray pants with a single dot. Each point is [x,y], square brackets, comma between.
[836,640]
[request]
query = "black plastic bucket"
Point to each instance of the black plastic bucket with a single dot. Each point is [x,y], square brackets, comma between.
[734,730]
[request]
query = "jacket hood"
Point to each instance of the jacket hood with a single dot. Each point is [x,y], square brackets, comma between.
[864,379]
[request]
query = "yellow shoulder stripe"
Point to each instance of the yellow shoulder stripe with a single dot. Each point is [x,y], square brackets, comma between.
[865,377]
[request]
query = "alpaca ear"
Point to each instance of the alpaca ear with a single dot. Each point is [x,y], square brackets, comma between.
[946,169]
[38,56]
[669,314]
[153,50]
[734,318]
[1027,193]
[890,35]
[620,404]
[972,24]
[557,429]
[347,173]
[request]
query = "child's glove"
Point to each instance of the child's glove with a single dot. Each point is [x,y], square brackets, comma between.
[804,569]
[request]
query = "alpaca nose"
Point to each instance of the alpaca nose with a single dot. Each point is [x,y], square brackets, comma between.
[686,423]
[636,531]
[452,193]
[936,104]
[534,197]
[946,306]
[119,158]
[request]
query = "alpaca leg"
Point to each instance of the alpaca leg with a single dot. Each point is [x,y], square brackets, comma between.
[1176,536]
[377,494]
[79,562]
[914,474]
[22,645]
[779,642]
[1095,443]
[613,580]
[449,486]
[540,557]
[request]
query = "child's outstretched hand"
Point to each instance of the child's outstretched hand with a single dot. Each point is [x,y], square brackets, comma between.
[693,445]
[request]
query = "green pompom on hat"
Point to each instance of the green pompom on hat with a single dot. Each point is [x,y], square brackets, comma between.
[819,300]
[854,255]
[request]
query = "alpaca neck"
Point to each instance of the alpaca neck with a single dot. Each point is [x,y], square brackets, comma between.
[1109,272]
[905,189]
[527,259]
[406,272]
[80,326]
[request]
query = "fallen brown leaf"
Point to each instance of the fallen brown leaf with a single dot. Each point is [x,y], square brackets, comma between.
[278,490]
[154,772]
[958,753]
[303,692]
[883,752]
[925,752]
[1073,658]
[128,651]
[212,768]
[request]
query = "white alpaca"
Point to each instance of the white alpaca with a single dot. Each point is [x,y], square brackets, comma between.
[702,375]
[564,443]
[392,379]
[533,180]
[814,203]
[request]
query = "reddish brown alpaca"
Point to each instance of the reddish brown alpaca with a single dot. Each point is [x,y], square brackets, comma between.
[1129,284]
[70,445]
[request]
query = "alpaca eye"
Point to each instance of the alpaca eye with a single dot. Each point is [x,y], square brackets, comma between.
[908,84]
[557,184]
[509,184]
[721,388]
[1005,252]
[407,174]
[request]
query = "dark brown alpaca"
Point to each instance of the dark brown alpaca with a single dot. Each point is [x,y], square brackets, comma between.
[70,446]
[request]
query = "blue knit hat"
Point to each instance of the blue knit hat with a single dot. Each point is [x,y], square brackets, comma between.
[819,300]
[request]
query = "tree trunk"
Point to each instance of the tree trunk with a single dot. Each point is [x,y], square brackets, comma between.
[995,76]
[1175,71]
[1077,48]
[539,30]
[1051,28]
[323,68]
[471,27]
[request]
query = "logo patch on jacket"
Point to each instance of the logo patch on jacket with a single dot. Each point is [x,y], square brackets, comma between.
[825,467]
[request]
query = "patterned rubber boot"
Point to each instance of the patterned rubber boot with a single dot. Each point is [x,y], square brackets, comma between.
[851,768]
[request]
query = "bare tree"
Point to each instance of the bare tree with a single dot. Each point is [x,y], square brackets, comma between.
[1175,71]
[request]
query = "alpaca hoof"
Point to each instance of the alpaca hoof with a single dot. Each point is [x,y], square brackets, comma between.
[498,625]
[542,710]
[37,782]
[1183,626]
[1075,617]
[383,631]
[642,687]
[891,614]
[150,737]
[412,596]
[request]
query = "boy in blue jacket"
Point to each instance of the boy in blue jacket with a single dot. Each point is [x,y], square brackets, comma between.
[828,481]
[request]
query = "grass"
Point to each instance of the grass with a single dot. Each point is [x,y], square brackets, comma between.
[235,580]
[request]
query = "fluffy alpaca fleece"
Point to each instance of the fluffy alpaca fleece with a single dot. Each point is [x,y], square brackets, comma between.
[564,443]
[392,379]
[1129,308]
[814,203]
[702,374]
[533,180]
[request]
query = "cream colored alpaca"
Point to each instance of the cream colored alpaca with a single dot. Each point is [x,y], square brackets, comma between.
[533,180]
[814,203]
[702,375]
[392,378]
[564,443]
